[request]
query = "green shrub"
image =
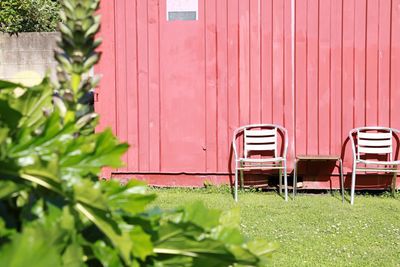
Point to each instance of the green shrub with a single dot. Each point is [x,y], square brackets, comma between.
[54,211]
[29,15]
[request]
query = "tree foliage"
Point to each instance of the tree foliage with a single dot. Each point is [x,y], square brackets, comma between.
[54,211]
[29,15]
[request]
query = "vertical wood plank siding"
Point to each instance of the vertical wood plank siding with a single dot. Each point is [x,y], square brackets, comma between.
[176,90]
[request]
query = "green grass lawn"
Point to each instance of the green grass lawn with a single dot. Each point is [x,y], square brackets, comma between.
[312,230]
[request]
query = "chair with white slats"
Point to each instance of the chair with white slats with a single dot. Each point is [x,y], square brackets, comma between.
[261,138]
[376,141]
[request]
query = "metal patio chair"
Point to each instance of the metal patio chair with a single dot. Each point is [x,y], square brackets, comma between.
[373,141]
[261,138]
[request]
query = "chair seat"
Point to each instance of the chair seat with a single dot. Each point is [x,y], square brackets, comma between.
[396,162]
[265,160]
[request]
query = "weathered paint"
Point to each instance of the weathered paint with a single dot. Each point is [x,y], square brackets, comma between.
[176,90]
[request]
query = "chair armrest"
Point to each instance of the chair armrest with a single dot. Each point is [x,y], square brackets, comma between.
[235,135]
[286,137]
[353,146]
[395,130]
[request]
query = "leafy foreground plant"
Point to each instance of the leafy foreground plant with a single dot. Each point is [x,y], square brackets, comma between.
[53,209]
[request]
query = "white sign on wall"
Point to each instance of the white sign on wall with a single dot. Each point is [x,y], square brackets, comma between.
[182,10]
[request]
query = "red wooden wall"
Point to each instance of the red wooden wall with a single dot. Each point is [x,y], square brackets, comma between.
[176,90]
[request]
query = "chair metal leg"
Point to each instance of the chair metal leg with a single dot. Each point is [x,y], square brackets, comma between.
[241,180]
[295,179]
[280,180]
[394,178]
[236,184]
[353,184]
[285,180]
[341,178]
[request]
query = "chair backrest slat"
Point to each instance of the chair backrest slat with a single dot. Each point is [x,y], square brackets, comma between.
[375,150]
[374,142]
[271,132]
[260,140]
[363,135]
[260,147]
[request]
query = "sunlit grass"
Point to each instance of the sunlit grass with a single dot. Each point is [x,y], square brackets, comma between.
[313,230]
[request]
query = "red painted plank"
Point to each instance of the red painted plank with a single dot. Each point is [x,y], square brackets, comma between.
[106,90]
[223,134]
[255,61]
[384,63]
[266,61]
[211,85]
[359,63]
[154,84]
[301,77]
[120,78]
[348,77]
[106,105]
[132,86]
[395,69]
[336,77]
[312,76]
[244,62]
[324,89]
[372,62]
[395,65]
[277,62]
[288,79]
[143,84]
[233,65]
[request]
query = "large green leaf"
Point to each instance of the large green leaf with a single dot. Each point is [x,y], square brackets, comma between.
[87,155]
[4,231]
[108,225]
[200,215]
[262,249]
[32,103]
[108,256]
[9,85]
[54,135]
[89,193]
[8,116]
[38,244]
[73,256]
[131,197]
[142,246]
[29,248]
[214,240]
[228,235]
[7,188]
